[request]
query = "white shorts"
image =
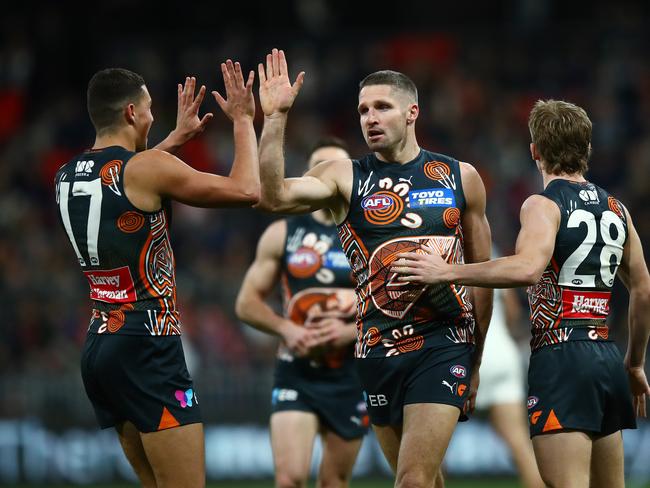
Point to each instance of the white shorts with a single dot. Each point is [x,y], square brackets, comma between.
[502,379]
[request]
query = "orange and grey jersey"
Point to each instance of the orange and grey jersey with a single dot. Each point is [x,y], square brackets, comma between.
[124,252]
[396,208]
[571,300]
[317,284]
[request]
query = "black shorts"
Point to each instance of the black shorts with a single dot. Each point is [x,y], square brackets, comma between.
[140,379]
[434,375]
[579,385]
[337,401]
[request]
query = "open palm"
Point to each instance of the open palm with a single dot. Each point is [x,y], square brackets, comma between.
[277,94]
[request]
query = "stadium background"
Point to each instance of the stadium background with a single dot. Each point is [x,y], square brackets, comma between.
[479,69]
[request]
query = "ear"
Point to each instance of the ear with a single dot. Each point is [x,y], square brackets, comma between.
[534,152]
[129,114]
[412,114]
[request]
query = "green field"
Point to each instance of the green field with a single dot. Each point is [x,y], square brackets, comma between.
[360,483]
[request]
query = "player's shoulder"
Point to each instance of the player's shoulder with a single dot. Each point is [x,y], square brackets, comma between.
[540,204]
[276,229]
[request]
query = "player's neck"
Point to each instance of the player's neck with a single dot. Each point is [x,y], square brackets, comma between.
[118,138]
[323,217]
[400,153]
[577,177]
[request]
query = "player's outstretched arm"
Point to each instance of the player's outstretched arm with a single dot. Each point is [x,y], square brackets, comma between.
[540,221]
[317,188]
[152,175]
[188,123]
[260,281]
[633,272]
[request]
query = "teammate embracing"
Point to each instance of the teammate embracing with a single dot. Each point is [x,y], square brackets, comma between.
[575,238]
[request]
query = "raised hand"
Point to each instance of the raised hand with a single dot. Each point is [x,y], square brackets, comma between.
[188,123]
[239,101]
[277,94]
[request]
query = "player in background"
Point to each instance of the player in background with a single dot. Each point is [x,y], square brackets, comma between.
[575,238]
[114,205]
[316,388]
[502,387]
[415,352]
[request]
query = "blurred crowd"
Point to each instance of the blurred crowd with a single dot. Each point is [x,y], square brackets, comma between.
[477,83]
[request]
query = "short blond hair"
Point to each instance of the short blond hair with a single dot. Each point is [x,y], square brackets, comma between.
[561,131]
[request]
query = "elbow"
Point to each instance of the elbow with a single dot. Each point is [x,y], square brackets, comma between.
[241,307]
[531,276]
[251,197]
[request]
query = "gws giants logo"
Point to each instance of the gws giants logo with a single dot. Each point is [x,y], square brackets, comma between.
[458,371]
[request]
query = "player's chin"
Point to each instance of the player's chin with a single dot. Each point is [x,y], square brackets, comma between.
[377,146]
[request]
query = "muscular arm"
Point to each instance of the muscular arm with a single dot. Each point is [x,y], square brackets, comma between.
[478,248]
[318,189]
[260,280]
[540,220]
[153,175]
[633,272]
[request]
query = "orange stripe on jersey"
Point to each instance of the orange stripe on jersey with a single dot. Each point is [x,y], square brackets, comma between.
[358,240]
[167,420]
[552,423]
[142,267]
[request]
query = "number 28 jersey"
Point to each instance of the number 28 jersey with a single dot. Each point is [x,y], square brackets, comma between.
[571,300]
[124,252]
[396,208]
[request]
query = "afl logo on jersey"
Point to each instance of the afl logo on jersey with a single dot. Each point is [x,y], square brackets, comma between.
[532,401]
[382,208]
[377,202]
[458,371]
[304,262]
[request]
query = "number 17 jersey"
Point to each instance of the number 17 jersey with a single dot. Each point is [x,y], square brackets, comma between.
[124,252]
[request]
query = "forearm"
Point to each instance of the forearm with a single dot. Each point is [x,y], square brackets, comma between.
[271,154]
[257,313]
[639,331]
[245,167]
[508,272]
